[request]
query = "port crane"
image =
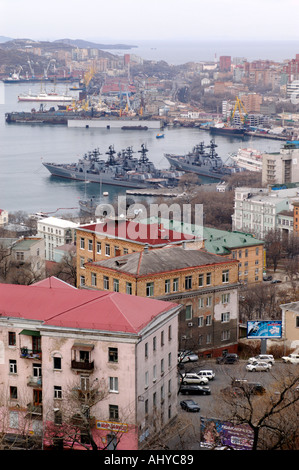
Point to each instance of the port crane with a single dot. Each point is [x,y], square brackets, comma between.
[242,110]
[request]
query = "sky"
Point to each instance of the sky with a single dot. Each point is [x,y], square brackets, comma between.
[137,20]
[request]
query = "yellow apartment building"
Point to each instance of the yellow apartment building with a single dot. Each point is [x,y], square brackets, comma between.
[205,284]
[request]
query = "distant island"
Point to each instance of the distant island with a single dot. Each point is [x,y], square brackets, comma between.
[81,43]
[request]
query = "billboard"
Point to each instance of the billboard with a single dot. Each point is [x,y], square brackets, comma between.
[264,329]
[215,433]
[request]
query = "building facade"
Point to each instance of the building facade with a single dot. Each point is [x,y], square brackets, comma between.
[206,285]
[56,232]
[290,325]
[83,363]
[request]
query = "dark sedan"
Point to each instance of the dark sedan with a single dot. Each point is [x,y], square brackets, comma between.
[194,389]
[189,405]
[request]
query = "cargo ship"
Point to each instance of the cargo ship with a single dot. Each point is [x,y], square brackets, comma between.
[45,97]
[222,129]
[118,170]
[201,162]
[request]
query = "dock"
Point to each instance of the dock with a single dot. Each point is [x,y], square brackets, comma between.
[163,192]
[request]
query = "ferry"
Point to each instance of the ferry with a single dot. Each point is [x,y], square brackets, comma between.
[248,159]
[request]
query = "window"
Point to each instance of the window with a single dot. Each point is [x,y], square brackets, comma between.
[146,379]
[99,248]
[57,392]
[188,312]
[225,317]
[162,338]
[12,366]
[37,370]
[82,262]
[154,373]
[175,284]
[82,281]
[129,288]
[225,276]
[13,419]
[106,283]
[209,320]
[169,359]
[209,278]
[112,354]
[201,303]
[13,393]
[154,343]
[154,399]
[162,366]
[167,286]
[188,282]
[149,289]
[209,301]
[113,384]
[11,338]
[246,253]
[93,279]
[225,335]
[126,251]
[113,412]
[20,255]
[82,243]
[146,407]
[57,363]
[116,285]
[169,333]
[90,244]
[146,350]
[200,321]
[107,250]
[225,298]
[200,280]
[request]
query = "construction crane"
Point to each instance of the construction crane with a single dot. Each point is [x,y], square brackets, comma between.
[242,111]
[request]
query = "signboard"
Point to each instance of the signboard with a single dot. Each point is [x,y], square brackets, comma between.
[264,329]
[112,426]
[215,433]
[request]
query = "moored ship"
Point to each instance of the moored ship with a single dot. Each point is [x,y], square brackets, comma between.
[45,97]
[118,170]
[248,159]
[222,129]
[202,163]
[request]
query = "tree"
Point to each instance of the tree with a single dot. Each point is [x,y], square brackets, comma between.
[273,247]
[272,417]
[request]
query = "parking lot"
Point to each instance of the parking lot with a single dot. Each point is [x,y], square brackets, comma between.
[209,404]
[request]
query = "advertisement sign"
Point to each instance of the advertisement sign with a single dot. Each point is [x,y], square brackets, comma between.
[264,329]
[215,433]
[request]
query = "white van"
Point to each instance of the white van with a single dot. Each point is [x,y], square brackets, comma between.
[206,373]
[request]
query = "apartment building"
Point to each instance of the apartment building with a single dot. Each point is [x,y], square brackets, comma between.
[281,167]
[259,210]
[115,237]
[56,232]
[3,217]
[206,285]
[86,361]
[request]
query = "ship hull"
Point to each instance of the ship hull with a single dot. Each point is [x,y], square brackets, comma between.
[199,170]
[51,99]
[101,178]
[229,131]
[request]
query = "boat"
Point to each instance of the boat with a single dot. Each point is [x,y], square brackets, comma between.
[118,170]
[159,136]
[201,162]
[248,159]
[43,96]
[222,129]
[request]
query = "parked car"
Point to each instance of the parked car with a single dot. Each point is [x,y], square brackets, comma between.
[242,387]
[291,358]
[258,366]
[276,281]
[207,373]
[193,389]
[262,358]
[189,405]
[192,378]
[187,356]
[267,278]
[227,359]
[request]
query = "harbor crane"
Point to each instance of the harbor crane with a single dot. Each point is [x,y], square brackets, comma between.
[242,110]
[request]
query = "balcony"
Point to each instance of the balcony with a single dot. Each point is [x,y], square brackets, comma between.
[30,354]
[83,365]
[35,409]
[35,382]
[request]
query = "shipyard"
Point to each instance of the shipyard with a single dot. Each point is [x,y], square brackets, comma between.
[149,234]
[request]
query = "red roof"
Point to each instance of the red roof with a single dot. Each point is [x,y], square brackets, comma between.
[84,309]
[152,234]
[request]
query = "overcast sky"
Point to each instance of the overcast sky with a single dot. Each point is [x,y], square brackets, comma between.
[133,20]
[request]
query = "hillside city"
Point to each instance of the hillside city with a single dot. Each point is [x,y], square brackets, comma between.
[108,320]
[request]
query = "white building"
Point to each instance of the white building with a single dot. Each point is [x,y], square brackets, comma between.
[56,232]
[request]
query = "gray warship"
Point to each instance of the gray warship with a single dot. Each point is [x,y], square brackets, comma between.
[201,162]
[120,169]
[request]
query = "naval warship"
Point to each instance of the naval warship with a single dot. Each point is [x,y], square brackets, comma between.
[121,169]
[201,162]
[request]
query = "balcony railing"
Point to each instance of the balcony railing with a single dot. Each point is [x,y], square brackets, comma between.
[82,365]
[33,409]
[34,382]
[30,354]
